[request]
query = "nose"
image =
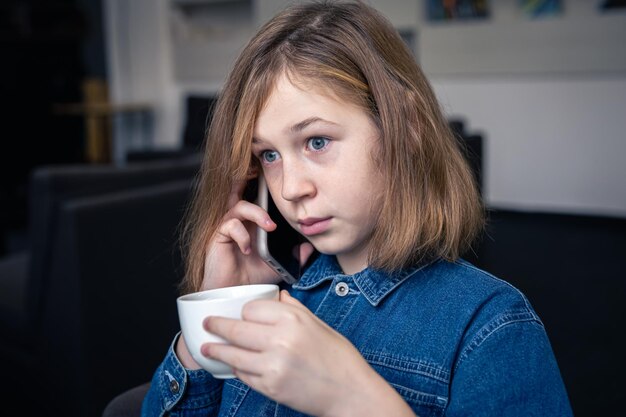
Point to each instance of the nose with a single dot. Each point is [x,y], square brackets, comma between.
[297,181]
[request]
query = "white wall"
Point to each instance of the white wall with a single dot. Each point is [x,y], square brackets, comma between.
[548,95]
[140,70]
[551,144]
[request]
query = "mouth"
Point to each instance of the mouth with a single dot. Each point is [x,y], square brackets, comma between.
[314,225]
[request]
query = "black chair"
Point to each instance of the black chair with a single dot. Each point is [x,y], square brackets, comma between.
[571,269]
[128,403]
[472,145]
[198,113]
[31,333]
[110,310]
[24,273]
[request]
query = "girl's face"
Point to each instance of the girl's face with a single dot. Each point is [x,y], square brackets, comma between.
[316,153]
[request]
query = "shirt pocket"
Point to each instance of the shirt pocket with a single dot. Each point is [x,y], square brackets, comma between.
[423,385]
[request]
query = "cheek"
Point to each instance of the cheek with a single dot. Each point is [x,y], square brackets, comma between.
[274,182]
[270,173]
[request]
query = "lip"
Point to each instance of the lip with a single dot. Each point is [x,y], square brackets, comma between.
[314,225]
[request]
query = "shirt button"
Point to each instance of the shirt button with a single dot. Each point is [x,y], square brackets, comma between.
[342,289]
[174,387]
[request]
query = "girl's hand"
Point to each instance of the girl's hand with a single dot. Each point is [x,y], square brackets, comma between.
[288,354]
[231,258]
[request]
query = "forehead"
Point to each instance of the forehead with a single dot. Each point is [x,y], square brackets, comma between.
[289,83]
[294,98]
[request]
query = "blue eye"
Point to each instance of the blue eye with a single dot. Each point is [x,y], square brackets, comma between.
[269,156]
[317,143]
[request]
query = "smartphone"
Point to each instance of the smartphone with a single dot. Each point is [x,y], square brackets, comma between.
[280,249]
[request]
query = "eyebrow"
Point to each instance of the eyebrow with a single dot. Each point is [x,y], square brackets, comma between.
[300,126]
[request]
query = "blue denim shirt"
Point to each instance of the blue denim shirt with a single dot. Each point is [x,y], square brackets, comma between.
[451,339]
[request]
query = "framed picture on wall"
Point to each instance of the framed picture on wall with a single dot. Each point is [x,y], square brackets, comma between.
[449,10]
[541,8]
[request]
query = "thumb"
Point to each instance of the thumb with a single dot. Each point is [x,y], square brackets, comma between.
[286,298]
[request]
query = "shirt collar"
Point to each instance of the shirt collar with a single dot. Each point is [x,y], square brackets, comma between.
[374,284]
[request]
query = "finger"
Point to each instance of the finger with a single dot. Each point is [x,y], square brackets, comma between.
[244,334]
[286,298]
[247,211]
[242,360]
[267,312]
[234,230]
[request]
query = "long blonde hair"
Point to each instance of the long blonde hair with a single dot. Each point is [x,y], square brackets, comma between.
[431,207]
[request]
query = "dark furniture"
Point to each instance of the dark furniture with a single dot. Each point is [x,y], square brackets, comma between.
[472,145]
[110,311]
[104,238]
[571,269]
[49,187]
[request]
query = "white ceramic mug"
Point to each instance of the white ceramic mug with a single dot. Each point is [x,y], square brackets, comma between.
[194,308]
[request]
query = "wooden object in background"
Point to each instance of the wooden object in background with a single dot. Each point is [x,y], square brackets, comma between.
[99,113]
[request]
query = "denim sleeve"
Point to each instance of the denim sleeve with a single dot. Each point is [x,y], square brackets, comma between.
[508,369]
[177,391]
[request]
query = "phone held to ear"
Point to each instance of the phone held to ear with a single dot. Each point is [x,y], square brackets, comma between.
[280,249]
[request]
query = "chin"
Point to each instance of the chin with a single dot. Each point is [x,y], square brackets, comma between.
[327,245]
[332,249]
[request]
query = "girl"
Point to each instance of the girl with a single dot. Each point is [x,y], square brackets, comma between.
[329,104]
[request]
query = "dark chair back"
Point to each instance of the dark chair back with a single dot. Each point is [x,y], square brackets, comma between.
[52,275]
[571,269]
[199,110]
[472,145]
[109,309]
[51,186]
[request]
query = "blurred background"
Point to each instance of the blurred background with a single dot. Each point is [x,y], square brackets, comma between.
[104,109]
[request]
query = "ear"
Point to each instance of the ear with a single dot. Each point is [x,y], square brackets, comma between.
[253,170]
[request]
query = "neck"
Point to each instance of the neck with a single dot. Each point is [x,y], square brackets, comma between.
[351,265]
